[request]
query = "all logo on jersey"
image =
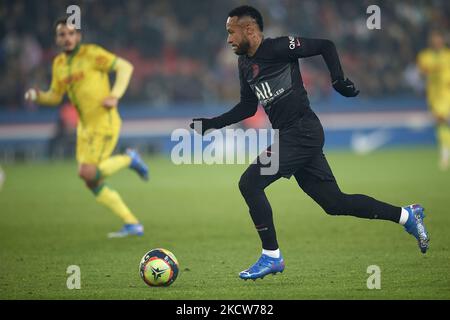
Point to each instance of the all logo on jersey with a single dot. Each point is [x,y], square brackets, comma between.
[271,86]
[263,92]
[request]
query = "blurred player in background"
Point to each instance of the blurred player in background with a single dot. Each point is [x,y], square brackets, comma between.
[81,71]
[434,63]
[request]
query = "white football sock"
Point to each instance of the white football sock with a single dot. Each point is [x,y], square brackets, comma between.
[404,216]
[272,253]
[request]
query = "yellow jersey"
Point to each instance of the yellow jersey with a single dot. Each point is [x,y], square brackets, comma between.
[436,65]
[83,75]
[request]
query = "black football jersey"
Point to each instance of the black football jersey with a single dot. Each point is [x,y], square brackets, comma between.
[272,77]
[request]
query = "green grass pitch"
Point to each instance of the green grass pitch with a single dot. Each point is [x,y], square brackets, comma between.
[48,221]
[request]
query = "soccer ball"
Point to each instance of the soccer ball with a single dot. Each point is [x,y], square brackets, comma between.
[159,267]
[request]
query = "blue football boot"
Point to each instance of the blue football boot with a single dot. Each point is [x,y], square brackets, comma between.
[414,226]
[263,267]
[137,164]
[136,229]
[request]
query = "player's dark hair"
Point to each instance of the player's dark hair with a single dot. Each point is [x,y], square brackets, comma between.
[61,20]
[248,11]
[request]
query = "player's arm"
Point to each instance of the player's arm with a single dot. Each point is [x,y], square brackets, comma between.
[52,97]
[240,112]
[246,108]
[298,47]
[123,70]
[107,62]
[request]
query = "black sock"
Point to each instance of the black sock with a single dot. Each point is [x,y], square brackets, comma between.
[328,195]
[363,206]
[252,185]
[261,214]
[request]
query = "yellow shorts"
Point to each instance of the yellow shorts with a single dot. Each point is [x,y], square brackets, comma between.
[95,146]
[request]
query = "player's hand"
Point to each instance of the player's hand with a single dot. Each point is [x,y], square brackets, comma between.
[345,87]
[201,125]
[110,102]
[31,95]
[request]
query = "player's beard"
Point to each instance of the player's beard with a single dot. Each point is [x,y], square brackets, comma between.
[243,47]
[69,49]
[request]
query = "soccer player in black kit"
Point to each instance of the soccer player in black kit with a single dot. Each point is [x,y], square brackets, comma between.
[269,75]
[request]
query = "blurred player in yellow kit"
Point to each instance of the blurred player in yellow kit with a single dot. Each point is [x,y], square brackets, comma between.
[434,63]
[81,71]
